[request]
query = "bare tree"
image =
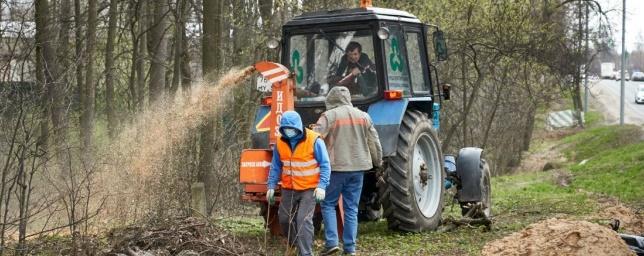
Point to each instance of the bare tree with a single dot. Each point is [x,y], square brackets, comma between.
[79,52]
[58,113]
[158,50]
[180,44]
[210,64]
[109,69]
[142,5]
[88,91]
[46,66]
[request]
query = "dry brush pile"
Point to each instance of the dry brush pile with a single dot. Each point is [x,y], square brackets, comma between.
[186,236]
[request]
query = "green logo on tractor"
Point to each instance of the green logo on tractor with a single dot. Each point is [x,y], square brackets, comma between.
[395,57]
[297,68]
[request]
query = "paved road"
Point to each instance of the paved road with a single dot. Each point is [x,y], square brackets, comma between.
[605,98]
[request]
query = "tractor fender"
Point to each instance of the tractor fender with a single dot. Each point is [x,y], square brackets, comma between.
[468,170]
[387,116]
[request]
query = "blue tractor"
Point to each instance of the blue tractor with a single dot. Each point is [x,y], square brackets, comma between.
[394,55]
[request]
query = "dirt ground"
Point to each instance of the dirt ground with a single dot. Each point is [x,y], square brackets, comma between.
[560,237]
[550,153]
[631,221]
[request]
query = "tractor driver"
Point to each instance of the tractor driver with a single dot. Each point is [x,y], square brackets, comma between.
[355,71]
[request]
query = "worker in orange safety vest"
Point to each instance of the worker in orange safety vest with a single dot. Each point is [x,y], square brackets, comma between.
[301,163]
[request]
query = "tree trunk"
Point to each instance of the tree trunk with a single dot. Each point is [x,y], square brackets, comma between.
[178,45]
[464,81]
[186,73]
[210,64]
[266,12]
[140,61]
[133,8]
[46,67]
[87,115]
[577,91]
[58,116]
[109,69]
[211,56]
[78,34]
[269,16]
[158,50]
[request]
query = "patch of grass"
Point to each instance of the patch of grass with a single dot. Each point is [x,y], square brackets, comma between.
[616,172]
[243,226]
[593,118]
[594,141]
[522,199]
[615,160]
[536,193]
[376,239]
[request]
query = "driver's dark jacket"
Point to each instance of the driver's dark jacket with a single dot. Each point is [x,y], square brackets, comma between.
[365,84]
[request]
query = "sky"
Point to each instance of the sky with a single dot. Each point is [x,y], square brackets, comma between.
[634,21]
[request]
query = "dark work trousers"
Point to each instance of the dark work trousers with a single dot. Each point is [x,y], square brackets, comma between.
[296,218]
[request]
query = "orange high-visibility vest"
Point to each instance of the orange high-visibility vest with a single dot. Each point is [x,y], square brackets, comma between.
[300,170]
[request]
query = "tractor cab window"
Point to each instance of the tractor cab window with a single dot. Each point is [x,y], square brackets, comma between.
[322,60]
[397,65]
[418,72]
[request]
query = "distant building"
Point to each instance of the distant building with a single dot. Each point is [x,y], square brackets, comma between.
[17,48]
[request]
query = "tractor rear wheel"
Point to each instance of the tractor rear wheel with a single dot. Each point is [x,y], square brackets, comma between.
[412,193]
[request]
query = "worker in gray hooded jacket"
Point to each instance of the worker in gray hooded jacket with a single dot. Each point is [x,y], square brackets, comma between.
[354,147]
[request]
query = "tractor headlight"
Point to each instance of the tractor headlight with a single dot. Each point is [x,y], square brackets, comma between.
[273,43]
[383,33]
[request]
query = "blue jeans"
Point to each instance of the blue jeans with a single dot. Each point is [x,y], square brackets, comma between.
[349,184]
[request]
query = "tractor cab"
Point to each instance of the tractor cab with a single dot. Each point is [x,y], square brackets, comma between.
[378,54]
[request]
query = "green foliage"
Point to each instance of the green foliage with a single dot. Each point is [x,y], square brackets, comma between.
[616,170]
[242,226]
[593,118]
[376,239]
[536,194]
[595,141]
[507,61]
[614,157]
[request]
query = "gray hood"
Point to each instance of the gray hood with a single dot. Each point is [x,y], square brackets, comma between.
[338,96]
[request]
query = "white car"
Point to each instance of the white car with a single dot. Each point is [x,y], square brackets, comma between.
[618,75]
[638,76]
[639,95]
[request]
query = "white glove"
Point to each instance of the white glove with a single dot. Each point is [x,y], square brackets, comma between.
[270,196]
[319,195]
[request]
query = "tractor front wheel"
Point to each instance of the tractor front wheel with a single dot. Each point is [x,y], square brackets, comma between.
[412,192]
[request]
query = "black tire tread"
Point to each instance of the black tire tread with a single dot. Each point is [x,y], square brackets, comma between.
[484,167]
[396,198]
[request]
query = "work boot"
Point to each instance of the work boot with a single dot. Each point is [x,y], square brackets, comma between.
[330,251]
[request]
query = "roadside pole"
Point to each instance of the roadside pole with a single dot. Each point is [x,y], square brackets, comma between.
[621,99]
[586,91]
